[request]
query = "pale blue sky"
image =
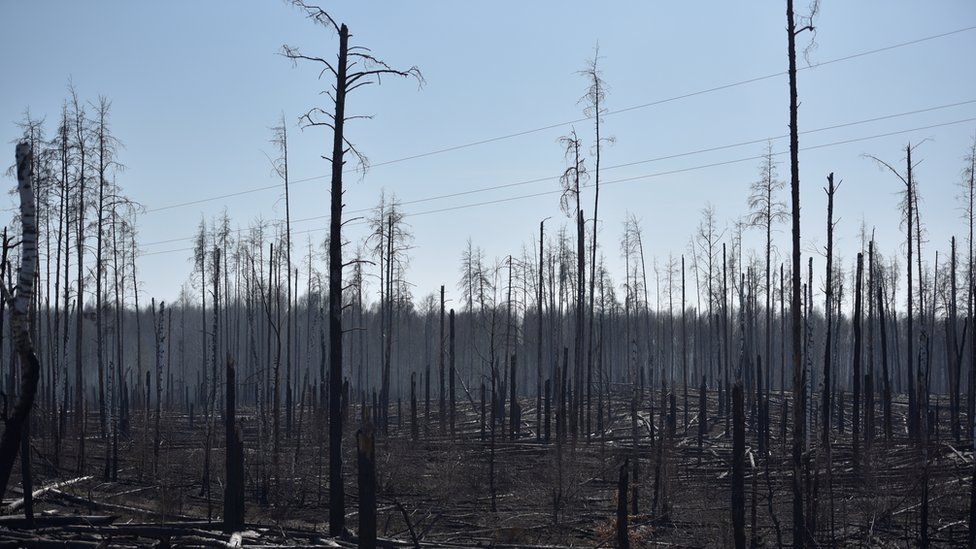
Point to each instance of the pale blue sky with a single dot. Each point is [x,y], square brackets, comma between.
[195,87]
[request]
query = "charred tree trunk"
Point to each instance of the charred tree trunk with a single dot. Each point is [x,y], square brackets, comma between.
[577,399]
[453,376]
[856,321]
[623,538]
[79,300]
[547,412]
[540,298]
[761,419]
[337,506]
[954,354]
[886,378]
[26,476]
[972,506]
[414,428]
[870,413]
[513,414]
[738,467]
[702,416]
[924,508]
[366,460]
[483,402]
[234,488]
[99,333]
[157,438]
[799,381]
[828,312]
[440,361]
[909,341]
[494,421]
[684,342]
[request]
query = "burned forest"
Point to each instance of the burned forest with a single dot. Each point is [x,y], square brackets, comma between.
[784,359]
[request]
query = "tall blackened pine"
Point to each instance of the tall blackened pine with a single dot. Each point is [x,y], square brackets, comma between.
[369,70]
[799,381]
[453,376]
[908,207]
[738,467]
[829,314]
[540,298]
[234,486]
[595,95]
[856,321]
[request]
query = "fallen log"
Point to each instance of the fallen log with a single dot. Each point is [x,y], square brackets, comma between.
[46,521]
[92,504]
[18,503]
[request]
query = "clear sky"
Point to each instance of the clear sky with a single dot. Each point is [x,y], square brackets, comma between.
[196,86]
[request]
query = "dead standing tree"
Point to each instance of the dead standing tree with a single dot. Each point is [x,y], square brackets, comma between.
[766,209]
[234,457]
[280,166]
[738,467]
[19,304]
[595,95]
[828,313]
[908,207]
[856,382]
[82,138]
[158,328]
[571,179]
[540,299]
[355,66]
[968,197]
[107,145]
[953,349]
[800,535]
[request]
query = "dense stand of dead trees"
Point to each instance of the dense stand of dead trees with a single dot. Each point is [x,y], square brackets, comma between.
[346,342]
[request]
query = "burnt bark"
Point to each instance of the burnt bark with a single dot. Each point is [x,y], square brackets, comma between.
[234,487]
[799,407]
[623,539]
[337,500]
[856,321]
[366,460]
[738,504]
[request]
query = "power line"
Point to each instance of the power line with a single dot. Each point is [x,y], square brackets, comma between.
[694,152]
[642,176]
[233,194]
[305,231]
[626,164]
[578,120]
[698,167]
[781,73]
